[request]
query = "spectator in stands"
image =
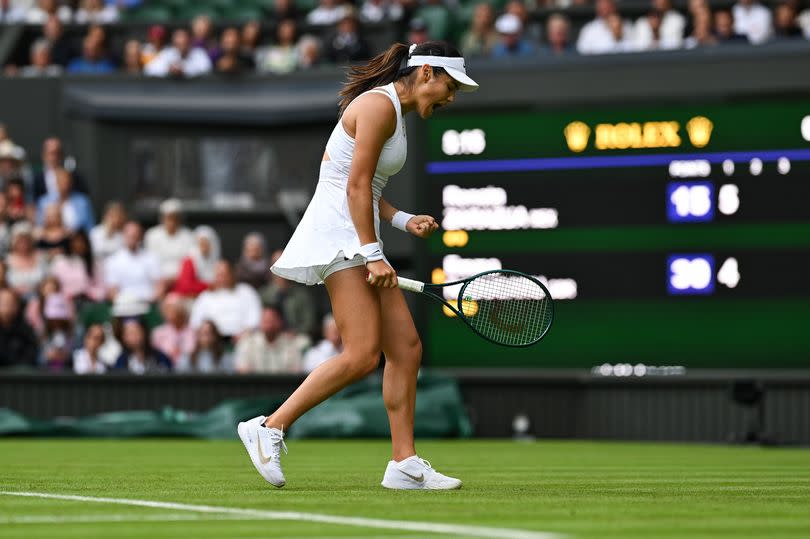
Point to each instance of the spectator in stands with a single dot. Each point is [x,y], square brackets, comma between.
[138,356]
[231,59]
[330,346]
[94,11]
[41,64]
[417,32]
[93,60]
[270,349]
[286,9]
[12,158]
[46,9]
[78,272]
[724,28]
[75,207]
[531,29]
[133,270]
[53,159]
[5,234]
[57,342]
[786,23]
[198,268]
[511,41]
[35,306]
[374,11]
[309,52]
[753,20]
[17,208]
[18,344]
[180,59]
[251,36]
[62,50]
[107,237]
[253,267]
[701,35]
[132,57]
[234,308]
[26,266]
[52,237]
[804,21]
[622,40]
[11,12]
[558,35]
[169,241]
[347,45]
[327,13]
[661,29]
[292,299]
[481,37]
[203,37]
[597,37]
[87,360]
[155,43]
[209,355]
[174,337]
[282,57]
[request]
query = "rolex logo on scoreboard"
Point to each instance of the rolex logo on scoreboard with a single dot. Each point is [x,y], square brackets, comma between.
[576,136]
[700,131]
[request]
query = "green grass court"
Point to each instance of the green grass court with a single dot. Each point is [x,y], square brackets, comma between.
[571,489]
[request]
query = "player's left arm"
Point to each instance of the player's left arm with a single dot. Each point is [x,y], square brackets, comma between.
[419,225]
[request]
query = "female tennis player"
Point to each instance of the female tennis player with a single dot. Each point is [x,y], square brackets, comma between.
[338,243]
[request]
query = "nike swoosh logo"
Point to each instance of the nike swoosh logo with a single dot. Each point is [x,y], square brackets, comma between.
[418,478]
[262,458]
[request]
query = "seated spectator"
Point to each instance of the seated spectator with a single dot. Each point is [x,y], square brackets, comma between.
[374,11]
[203,38]
[52,238]
[180,59]
[752,20]
[75,207]
[41,65]
[804,22]
[138,356]
[133,270]
[286,9]
[234,308]
[531,29]
[251,37]
[107,237]
[78,272]
[16,207]
[12,159]
[155,43]
[87,360]
[724,28]
[95,12]
[197,269]
[35,307]
[281,57]
[169,241]
[93,60]
[270,349]
[481,37]
[57,342]
[330,346]
[26,266]
[12,12]
[786,23]
[62,49]
[53,160]
[346,45]
[132,57]
[558,34]
[292,299]
[701,35]
[209,355]
[309,52]
[597,37]
[661,29]
[174,337]
[417,32]
[253,267]
[327,13]
[18,344]
[511,41]
[231,59]
[46,9]
[622,40]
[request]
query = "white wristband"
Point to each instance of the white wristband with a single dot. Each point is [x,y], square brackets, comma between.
[371,252]
[401,219]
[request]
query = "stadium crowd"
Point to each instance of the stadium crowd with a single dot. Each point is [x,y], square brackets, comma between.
[332,31]
[104,296]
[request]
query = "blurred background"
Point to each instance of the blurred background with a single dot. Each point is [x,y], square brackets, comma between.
[649,161]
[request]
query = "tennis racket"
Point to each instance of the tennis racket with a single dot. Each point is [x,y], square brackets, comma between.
[506,307]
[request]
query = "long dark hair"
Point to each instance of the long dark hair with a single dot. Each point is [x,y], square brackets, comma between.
[218,348]
[387,67]
[87,257]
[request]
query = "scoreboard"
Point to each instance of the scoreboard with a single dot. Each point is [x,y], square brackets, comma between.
[668,234]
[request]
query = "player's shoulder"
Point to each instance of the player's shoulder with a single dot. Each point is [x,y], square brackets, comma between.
[375,107]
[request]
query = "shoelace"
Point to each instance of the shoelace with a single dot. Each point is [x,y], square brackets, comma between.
[426,463]
[277,443]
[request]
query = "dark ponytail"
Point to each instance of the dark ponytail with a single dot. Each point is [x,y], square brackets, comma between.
[388,67]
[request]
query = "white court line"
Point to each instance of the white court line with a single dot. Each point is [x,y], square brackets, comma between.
[97,519]
[405,525]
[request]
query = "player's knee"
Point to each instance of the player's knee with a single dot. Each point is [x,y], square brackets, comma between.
[363,360]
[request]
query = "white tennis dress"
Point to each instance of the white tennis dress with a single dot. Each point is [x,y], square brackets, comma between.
[326,232]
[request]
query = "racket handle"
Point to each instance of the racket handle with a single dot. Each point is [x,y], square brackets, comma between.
[405,284]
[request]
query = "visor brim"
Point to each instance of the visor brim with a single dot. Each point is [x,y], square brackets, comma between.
[466,84]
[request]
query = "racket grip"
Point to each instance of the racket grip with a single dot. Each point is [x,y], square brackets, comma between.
[410,284]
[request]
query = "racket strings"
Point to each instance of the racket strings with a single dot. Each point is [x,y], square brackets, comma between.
[507,308]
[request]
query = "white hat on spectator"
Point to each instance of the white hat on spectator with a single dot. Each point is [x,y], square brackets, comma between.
[170,206]
[126,305]
[21,228]
[9,150]
[508,23]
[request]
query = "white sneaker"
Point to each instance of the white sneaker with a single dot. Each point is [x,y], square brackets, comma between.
[414,473]
[264,447]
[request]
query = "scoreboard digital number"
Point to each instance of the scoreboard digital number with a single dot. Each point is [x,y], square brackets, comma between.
[668,235]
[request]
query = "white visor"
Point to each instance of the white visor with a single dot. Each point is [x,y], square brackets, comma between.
[453,66]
